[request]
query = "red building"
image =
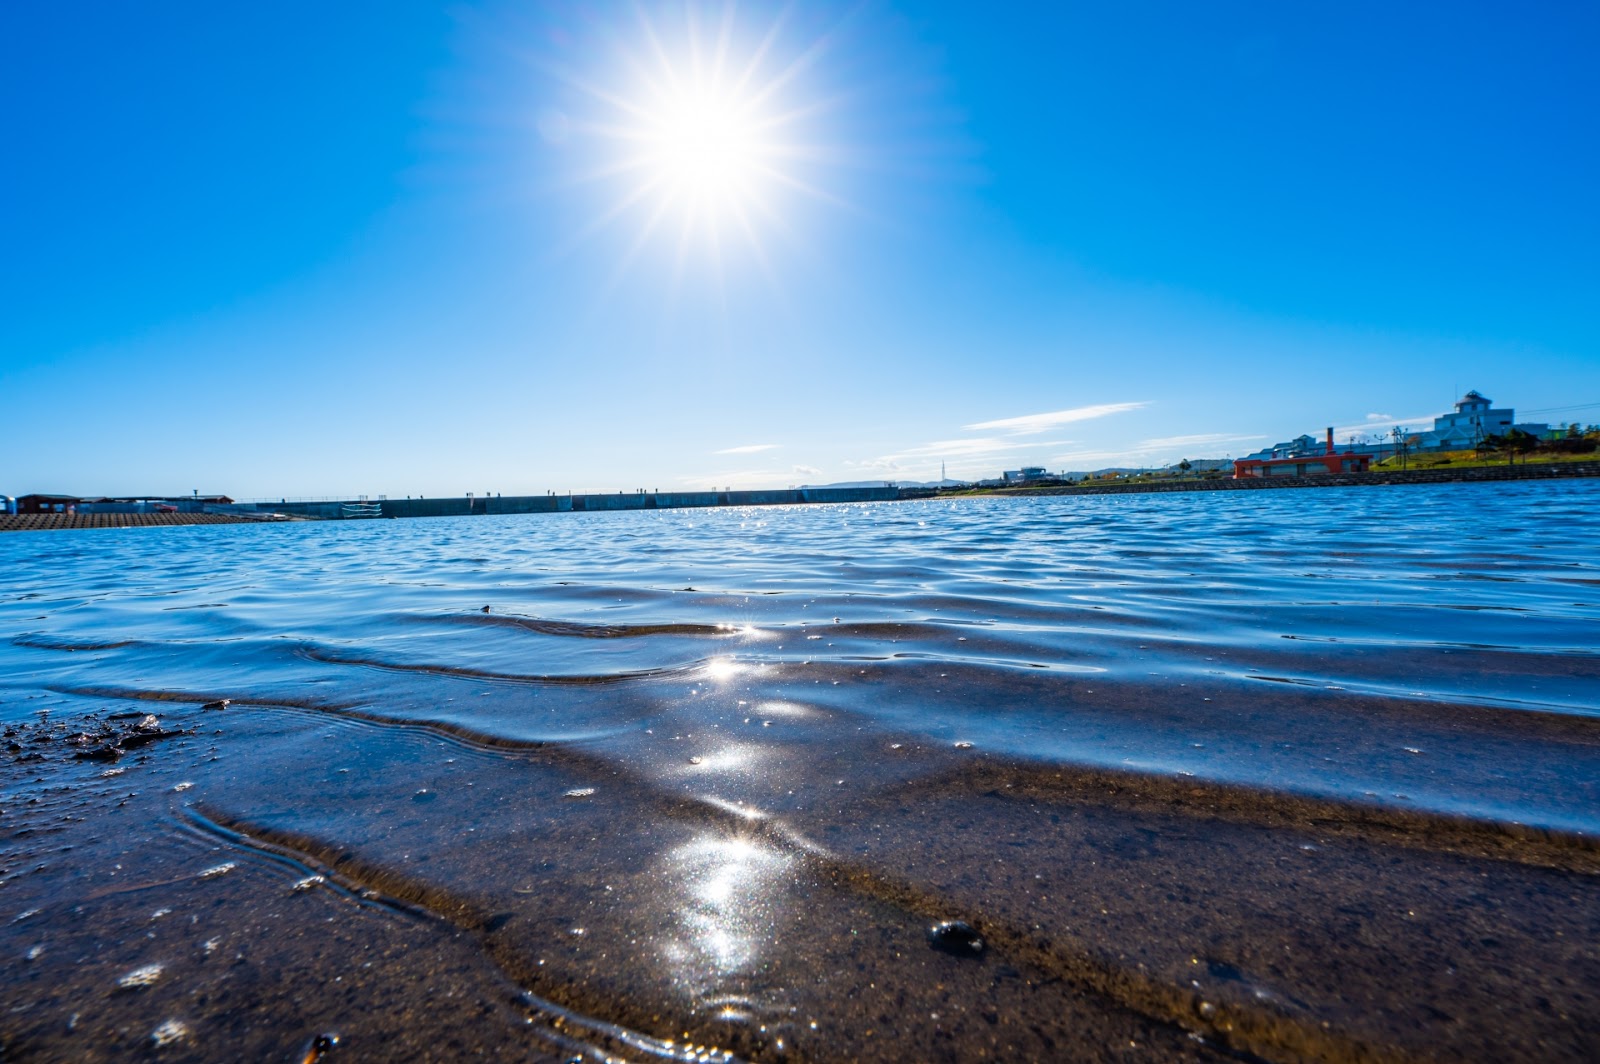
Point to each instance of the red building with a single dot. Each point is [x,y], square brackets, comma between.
[1305,464]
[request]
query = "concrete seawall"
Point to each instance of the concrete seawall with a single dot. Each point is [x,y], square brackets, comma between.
[546,504]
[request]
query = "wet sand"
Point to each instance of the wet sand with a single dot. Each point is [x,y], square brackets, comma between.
[420,895]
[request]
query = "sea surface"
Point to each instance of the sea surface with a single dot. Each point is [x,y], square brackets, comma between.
[1238,775]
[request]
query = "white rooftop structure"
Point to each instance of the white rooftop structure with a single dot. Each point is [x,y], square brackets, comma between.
[1475,418]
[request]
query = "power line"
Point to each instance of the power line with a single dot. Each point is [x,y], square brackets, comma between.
[1562,409]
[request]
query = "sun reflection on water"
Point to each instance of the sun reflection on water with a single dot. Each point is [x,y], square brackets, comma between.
[728,896]
[722,670]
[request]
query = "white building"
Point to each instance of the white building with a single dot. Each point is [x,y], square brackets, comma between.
[1474,419]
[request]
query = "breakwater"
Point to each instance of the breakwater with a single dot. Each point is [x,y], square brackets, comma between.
[36,522]
[464,506]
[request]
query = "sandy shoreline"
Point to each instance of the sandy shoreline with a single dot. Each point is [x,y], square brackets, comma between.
[465,901]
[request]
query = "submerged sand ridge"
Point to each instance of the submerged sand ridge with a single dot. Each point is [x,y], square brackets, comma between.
[616,818]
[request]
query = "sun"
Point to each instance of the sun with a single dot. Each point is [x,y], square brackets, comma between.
[705,133]
[706,145]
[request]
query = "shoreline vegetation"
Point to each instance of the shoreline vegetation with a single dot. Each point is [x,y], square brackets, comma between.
[1377,476]
[1439,469]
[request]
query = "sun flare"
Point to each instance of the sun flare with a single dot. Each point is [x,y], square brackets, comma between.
[706,145]
[705,133]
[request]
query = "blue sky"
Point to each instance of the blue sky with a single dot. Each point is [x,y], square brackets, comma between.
[407,248]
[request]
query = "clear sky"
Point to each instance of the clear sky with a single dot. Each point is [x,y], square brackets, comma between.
[406,248]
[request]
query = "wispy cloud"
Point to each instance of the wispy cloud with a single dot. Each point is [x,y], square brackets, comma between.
[1203,439]
[807,471]
[1031,423]
[749,448]
[969,456]
[1159,451]
[1375,422]
[974,446]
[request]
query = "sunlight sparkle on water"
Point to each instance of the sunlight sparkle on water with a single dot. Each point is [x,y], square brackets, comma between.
[722,669]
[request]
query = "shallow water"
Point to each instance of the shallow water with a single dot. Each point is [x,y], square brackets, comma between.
[1305,774]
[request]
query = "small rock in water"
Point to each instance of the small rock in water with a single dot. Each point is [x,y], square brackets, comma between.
[168,1033]
[963,745]
[140,977]
[309,882]
[696,760]
[221,703]
[486,609]
[955,937]
[579,792]
[185,785]
[148,723]
[318,1046]
[218,870]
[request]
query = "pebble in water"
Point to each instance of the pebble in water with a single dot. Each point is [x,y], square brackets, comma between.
[221,703]
[140,977]
[579,792]
[322,1042]
[696,760]
[963,745]
[185,785]
[169,1032]
[955,937]
[218,870]
[148,723]
[309,882]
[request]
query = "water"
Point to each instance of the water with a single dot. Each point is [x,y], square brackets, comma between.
[1296,773]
